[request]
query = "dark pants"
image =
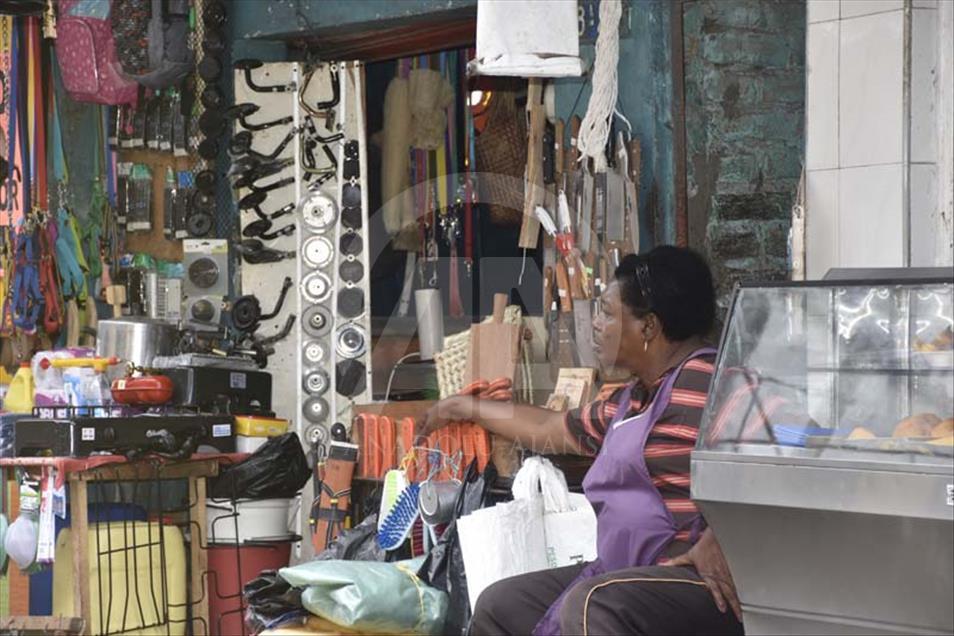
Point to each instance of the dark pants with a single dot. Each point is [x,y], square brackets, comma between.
[648,600]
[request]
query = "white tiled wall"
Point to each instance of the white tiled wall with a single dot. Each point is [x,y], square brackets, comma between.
[924,180]
[821,10]
[860,184]
[870,95]
[870,216]
[855,8]
[924,51]
[821,230]
[821,87]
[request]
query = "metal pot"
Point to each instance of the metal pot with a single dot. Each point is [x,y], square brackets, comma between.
[135,339]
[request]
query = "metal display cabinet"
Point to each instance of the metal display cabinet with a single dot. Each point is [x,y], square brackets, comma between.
[833,523]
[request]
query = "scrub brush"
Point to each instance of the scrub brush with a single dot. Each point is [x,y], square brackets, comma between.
[394,484]
[396,527]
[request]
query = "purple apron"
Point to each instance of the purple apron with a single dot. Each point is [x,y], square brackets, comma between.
[633,524]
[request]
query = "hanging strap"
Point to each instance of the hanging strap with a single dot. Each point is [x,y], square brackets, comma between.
[27,297]
[52,309]
[38,109]
[60,168]
[69,268]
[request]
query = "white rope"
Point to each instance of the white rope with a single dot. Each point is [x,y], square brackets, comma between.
[594,130]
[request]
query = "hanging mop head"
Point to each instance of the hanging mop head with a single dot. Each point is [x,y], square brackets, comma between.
[397,525]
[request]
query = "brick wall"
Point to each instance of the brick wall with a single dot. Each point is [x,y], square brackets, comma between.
[745,98]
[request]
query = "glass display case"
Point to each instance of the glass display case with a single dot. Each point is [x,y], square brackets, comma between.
[825,461]
[841,372]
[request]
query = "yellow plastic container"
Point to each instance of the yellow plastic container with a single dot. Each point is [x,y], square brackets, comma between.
[253,426]
[19,398]
[129,550]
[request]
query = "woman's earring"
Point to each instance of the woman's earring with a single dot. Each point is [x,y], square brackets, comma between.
[645,346]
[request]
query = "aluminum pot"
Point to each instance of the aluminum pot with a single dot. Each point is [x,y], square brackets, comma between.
[135,339]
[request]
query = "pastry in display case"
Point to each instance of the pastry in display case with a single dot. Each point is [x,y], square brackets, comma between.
[825,460]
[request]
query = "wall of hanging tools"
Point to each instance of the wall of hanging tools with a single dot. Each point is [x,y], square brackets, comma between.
[298,146]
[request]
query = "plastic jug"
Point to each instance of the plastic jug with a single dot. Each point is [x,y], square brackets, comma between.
[19,397]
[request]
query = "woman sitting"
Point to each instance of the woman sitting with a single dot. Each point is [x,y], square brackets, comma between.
[659,568]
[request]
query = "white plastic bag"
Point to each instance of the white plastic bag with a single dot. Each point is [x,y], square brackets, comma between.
[503,541]
[527,39]
[569,523]
[545,526]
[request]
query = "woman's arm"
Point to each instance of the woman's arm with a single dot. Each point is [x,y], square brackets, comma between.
[537,429]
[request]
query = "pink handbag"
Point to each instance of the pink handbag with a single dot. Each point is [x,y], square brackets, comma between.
[86,53]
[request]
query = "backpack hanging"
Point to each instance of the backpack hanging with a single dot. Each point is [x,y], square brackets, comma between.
[152,40]
[86,52]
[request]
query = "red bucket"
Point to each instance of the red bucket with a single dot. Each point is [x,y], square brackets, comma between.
[226,611]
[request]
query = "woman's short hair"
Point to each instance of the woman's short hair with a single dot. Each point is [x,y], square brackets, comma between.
[674,283]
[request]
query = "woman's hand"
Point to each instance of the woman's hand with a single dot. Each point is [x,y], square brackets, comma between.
[437,417]
[707,558]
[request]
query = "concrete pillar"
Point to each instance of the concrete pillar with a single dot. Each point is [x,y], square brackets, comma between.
[877,144]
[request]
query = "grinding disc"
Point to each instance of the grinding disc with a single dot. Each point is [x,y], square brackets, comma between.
[212,97]
[214,14]
[210,68]
[199,224]
[350,378]
[316,434]
[350,196]
[208,149]
[317,251]
[211,123]
[203,201]
[315,382]
[202,310]
[317,322]
[351,302]
[318,210]
[314,352]
[351,244]
[350,341]
[315,410]
[205,181]
[203,272]
[316,287]
[351,271]
[351,218]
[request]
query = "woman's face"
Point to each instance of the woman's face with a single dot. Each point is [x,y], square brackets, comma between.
[617,334]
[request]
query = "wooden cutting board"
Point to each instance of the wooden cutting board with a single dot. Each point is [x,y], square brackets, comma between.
[494,346]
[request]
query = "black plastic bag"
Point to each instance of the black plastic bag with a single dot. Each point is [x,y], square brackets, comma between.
[356,544]
[444,566]
[269,600]
[277,470]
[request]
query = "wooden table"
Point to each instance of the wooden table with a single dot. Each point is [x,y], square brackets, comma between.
[78,476]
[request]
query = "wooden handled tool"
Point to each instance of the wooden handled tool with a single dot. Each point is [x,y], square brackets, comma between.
[494,346]
[533,195]
[563,288]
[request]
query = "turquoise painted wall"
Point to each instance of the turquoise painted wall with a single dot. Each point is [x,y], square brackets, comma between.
[645,99]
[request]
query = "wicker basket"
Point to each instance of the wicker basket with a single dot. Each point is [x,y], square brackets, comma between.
[501,154]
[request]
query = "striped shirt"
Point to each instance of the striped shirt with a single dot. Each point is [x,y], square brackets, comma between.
[670,441]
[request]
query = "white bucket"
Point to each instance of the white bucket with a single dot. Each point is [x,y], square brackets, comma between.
[258,519]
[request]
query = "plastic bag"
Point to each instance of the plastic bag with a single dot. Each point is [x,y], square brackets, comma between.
[357,544]
[443,566]
[370,597]
[270,600]
[277,470]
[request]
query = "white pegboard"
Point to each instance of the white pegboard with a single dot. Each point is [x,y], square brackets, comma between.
[288,366]
[265,280]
